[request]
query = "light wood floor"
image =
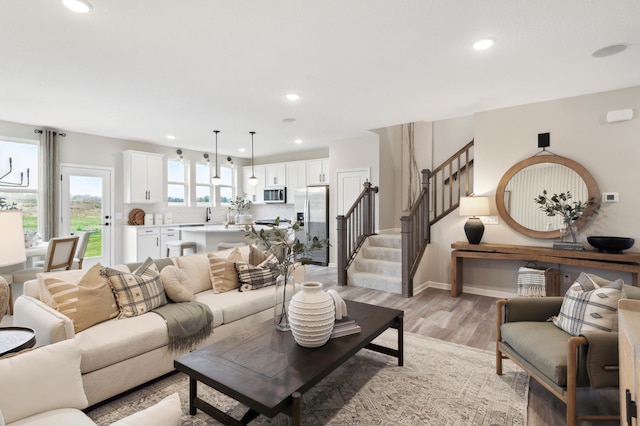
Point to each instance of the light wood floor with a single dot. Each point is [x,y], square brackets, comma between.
[468,320]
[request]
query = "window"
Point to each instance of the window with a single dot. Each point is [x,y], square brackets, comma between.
[24,155]
[226,187]
[203,184]
[176,183]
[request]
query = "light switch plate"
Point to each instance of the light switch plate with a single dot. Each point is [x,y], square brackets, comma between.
[489,220]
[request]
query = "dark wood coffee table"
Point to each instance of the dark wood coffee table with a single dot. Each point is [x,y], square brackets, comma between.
[267,371]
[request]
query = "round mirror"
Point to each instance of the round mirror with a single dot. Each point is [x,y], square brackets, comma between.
[526,180]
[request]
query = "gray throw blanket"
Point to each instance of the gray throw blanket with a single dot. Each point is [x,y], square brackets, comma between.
[188,324]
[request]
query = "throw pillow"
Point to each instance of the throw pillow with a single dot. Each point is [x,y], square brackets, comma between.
[86,302]
[256,256]
[589,306]
[177,284]
[46,378]
[223,274]
[254,277]
[167,412]
[196,266]
[137,292]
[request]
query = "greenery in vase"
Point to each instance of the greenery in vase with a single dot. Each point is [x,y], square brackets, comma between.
[561,205]
[4,205]
[241,204]
[287,250]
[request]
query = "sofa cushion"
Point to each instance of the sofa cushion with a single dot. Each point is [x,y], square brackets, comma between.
[167,412]
[222,271]
[32,382]
[213,301]
[86,302]
[235,305]
[138,292]
[177,284]
[542,344]
[196,266]
[256,256]
[590,304]
[254,277]
[114,341]
[61,416]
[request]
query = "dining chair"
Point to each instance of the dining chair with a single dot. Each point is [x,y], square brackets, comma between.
[60,254]
[78,257]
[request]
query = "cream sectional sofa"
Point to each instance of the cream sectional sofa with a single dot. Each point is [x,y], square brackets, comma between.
[120,354]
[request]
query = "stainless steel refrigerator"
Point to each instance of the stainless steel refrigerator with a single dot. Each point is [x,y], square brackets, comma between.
[312,211]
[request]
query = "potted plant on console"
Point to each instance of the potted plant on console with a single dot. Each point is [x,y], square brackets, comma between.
[570,211]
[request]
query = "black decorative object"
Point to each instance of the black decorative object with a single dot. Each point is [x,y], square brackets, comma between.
[474,229]
[611,244]
[543,140]
[474,206]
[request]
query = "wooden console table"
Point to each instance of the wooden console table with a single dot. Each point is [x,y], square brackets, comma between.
[625,262]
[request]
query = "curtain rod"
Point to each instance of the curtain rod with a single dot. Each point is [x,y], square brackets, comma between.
[39,131]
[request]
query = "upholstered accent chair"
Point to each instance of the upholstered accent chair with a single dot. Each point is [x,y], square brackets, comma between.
[556,359]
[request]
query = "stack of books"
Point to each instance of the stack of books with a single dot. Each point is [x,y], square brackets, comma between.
[345,327]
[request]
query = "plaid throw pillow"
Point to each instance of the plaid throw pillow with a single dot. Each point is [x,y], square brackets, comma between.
[254,277]
[138,292]
[589,305]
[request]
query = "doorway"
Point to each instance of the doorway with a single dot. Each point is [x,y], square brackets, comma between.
[86,205]
[350,185]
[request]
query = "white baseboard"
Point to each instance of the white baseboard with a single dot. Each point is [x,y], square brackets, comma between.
[480,291]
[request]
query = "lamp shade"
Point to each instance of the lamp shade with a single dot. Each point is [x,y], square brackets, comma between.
[12,249]
[474,206]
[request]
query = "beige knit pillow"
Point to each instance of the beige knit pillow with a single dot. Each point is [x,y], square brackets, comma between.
[176,284]
[256,256]
[85,302]
[196,266]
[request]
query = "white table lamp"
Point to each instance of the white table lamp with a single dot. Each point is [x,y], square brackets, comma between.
[473,207]
[12,249]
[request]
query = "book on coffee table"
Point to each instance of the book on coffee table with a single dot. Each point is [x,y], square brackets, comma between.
[345,327]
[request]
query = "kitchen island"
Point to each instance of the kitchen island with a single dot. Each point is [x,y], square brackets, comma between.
[207,237]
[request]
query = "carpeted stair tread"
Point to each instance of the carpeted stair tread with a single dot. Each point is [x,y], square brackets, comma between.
[376,266]
[386,240]
[382,253]
[376,281]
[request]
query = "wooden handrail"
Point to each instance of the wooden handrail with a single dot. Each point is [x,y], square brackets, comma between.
[353,228]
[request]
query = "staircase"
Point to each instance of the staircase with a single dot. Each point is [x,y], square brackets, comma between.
[378,265]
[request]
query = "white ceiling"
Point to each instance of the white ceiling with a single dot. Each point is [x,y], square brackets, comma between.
[142,69]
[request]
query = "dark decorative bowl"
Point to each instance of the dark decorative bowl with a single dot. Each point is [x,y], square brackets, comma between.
[611,244]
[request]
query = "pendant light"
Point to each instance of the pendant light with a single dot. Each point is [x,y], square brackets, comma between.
[216,180]
[253,180]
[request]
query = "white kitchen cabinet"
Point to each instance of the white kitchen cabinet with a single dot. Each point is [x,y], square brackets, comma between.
[318,172]
[296,178]
[167,234]
[141,242]
[254,193]
[143,177]
[276,174]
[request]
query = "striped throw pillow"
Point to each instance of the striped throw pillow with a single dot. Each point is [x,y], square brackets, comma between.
[86,302]
[254,277]
[589,305]
[138,292]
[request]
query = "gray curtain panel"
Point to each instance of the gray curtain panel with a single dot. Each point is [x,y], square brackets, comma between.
[49,182]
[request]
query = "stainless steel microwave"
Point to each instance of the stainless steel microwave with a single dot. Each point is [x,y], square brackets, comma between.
[275,194]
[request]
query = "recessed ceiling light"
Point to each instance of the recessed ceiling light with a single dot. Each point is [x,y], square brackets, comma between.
[298,141]
[242,149]
[288,120]
[609,50]
[171,137]
[79,6]
[483,44]
[293,96]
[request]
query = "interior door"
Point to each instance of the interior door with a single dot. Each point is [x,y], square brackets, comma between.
[86,205]
[350,185]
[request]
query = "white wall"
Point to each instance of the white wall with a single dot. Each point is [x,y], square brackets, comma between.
[578,131]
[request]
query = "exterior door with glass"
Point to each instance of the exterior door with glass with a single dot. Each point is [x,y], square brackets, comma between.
[86,205]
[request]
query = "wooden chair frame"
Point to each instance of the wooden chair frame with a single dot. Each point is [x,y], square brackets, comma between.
[569,394]
[49,265]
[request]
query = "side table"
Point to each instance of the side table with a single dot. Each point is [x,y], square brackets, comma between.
[15,339]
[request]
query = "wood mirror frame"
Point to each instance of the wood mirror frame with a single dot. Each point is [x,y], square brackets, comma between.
[592,190]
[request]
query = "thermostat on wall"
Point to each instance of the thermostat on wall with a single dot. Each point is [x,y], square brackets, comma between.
[610,197]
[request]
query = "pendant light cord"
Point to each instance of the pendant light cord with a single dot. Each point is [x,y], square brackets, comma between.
[253,174]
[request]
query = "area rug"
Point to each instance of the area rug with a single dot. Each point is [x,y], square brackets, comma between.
[441,383]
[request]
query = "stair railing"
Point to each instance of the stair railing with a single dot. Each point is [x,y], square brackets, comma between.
[353,228]
[416,234]
[440,195]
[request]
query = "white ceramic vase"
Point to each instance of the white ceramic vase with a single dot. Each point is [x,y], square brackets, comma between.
[311,315]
